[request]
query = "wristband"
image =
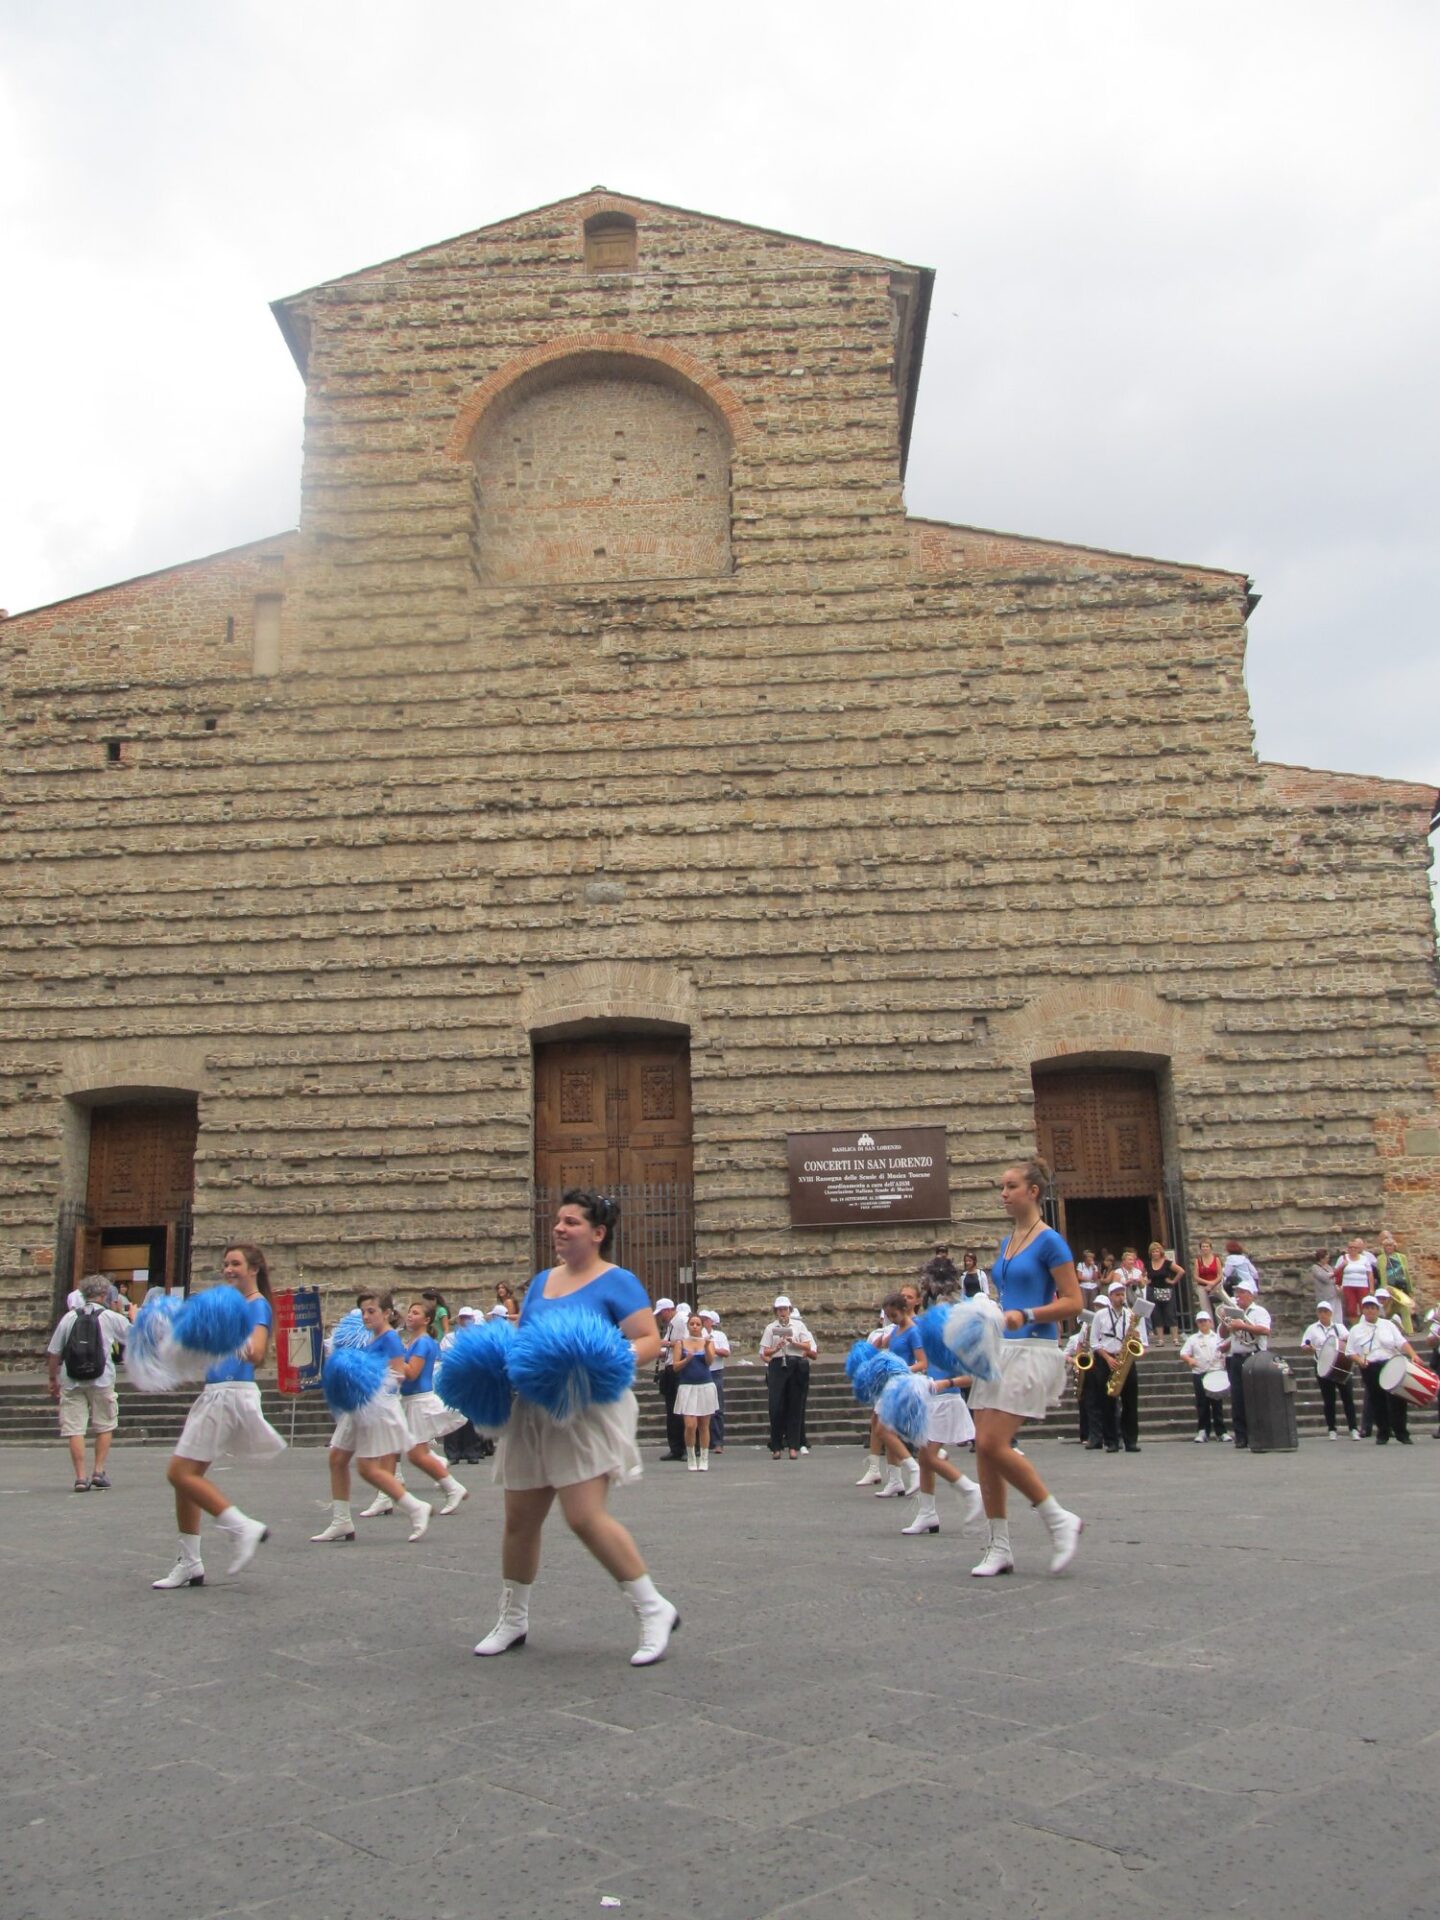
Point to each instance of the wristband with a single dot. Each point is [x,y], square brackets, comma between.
[1027,1316]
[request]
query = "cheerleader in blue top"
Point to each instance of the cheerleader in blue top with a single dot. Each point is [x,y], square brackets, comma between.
[377,1433]
[539,1461]
[426,1414]
[1036,1281]
[227,1419]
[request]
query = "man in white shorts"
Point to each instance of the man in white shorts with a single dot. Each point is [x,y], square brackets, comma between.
[88,1402]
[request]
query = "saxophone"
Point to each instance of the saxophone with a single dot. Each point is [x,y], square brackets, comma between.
[1130,1351]
[1083,1360]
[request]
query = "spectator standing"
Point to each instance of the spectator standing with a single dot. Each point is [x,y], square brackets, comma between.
[1162,1285]
[81,1364]
[719,1340]
[1324,1283]
[1394,1274]
[939,1277]
[1355,1272]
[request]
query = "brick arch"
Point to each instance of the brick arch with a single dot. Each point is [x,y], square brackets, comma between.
[1110,1017]
[580,347]
[635,992]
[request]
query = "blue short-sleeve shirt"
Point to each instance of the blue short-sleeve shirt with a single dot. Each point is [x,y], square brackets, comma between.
[614,1294]
[1028,1280]
[232,1367]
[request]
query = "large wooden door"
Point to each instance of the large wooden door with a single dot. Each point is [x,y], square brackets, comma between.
[613,1114]
[1099,1127]
[614,1111]
[140,1186]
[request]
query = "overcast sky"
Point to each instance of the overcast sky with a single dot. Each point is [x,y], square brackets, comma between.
[1188,295]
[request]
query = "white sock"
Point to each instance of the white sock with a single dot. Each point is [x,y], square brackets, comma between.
[1000,1535]
[232,1520]
[408,1504]
[340,1510]
[643,1594]
[450,1484]
[190,1549]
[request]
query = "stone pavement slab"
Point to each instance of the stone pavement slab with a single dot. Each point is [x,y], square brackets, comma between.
[847,1727]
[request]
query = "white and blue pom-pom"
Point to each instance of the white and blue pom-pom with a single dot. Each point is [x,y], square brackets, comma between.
[153,1363]
[943,1359]
[904,1407]
[975,1333]
[214,1323]
[350,1331]
[566,1362]
[354,1377]
[855,1360]
[474,1376]
[870,1378]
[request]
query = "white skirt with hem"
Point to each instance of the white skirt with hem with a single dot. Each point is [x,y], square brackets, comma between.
[950,1424]
[533,1451]
[227,1419]
[1032,1379]
[697,1400]
[374,1431]
[428,1417]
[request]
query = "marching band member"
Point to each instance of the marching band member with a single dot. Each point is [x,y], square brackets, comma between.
[1113,1417]
[787,1350]
[1321,1333]
[1201,1353]
[1371,1342]
[1074,1346]
[1247,1331]
[1035,1278]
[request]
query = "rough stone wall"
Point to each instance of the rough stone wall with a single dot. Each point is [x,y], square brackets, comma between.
[885,814]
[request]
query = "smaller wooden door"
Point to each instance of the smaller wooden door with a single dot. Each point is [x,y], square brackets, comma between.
[613,1111]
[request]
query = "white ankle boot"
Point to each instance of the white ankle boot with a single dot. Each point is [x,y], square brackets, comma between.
[974,1505]
[910,1476]
[894,1487]
[704,1459]
[247,1536]
[658,1620]
[927,1518]
[454,1494]
[871,1476]
[1065,1530]
[692,1459]
[512,1628]
[996,1557]
[378,1507]
[187,1570]
[341,1526]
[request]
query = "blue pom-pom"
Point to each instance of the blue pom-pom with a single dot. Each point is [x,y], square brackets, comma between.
[216,1321]
[859,1356]
[975,1332]
[904,1407]
[352,1378]
[151,1362]
[870,1378]
[350,1331]
[473,1377]
[566,1362]
[944,1361]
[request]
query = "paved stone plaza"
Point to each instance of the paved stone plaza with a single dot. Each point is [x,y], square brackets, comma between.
[1228,1707]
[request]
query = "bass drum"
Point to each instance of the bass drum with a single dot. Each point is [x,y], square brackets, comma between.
[1216,1382]
[1407,1381]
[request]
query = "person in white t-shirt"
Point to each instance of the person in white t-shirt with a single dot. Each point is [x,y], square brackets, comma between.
[90,1401]
[1371,1342]
[1326,1333]
[1201,1354]
[1355,1273]
[1247,1331]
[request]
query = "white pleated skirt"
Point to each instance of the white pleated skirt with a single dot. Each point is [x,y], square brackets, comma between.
[1032,1379]
[697,1400]
[428,1417]
[533,1451]
[950,1424]
[227,1419]
[374,1431]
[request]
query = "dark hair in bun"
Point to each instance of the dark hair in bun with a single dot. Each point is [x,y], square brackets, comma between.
[598,1210]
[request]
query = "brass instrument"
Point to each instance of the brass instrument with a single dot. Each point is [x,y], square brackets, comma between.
[1131,1349]
[1083,1359]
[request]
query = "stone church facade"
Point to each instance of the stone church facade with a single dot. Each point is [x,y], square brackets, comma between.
[609,777]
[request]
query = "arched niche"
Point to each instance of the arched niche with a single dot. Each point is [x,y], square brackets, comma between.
[599,466]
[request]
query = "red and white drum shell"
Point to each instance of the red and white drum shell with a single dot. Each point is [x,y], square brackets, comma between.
[1332,1363]
[1407,1380]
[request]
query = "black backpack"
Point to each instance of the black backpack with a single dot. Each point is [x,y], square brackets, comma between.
[84,1354]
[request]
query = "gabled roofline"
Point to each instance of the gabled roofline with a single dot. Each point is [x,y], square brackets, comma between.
[156,573]
[1076,546]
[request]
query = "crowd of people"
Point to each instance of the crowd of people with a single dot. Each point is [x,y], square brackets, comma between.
[1090,1320]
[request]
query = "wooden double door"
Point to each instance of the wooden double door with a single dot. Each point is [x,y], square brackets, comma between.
[1099,1127]
[139,1190]
[613,1112]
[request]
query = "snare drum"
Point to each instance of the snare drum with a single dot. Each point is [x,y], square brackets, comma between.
[1408,1381]
[1332,1363]
[1216,1382]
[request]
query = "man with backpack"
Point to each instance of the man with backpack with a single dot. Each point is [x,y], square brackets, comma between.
[82,1377]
